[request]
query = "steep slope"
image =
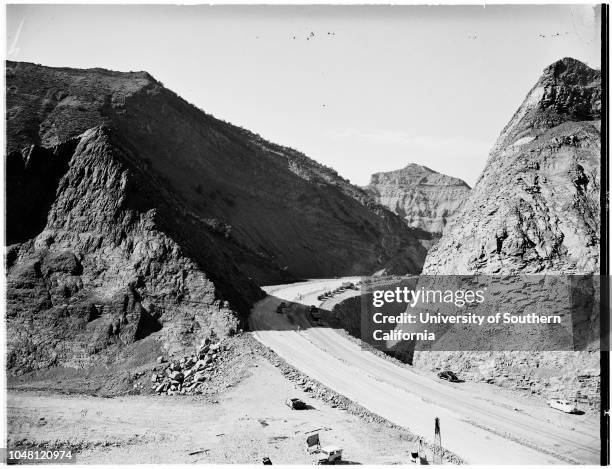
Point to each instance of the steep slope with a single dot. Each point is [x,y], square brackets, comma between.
[425,199]
[132,214]
[296,216]
[118,260]
[534,209]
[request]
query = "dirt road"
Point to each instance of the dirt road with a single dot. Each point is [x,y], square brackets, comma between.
[249,421]
[479,422]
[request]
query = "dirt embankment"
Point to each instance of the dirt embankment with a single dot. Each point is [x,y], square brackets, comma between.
[240,417]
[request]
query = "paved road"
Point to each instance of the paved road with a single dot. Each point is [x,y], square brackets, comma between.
[478,429]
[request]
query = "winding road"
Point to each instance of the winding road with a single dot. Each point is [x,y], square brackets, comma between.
[479,423]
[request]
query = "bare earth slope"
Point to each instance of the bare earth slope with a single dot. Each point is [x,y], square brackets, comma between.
[534,209]
[133,215]
[424,198]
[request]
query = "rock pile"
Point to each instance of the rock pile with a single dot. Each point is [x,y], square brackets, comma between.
[186,375]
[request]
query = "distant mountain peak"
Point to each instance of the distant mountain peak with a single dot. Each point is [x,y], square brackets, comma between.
[414,173]
[424,198]
[417,167]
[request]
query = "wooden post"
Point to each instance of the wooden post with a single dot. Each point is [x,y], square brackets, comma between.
[437,442]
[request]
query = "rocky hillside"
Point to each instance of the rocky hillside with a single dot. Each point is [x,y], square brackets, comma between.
[534,209]
[425,199]
[131,214]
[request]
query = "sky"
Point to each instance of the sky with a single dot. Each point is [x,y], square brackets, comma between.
[362,89]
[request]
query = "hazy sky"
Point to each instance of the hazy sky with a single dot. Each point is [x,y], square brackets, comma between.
[372,89]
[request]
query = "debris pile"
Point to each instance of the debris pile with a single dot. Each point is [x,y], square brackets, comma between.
[187,375]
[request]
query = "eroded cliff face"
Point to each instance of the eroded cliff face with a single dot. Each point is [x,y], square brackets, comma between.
[425,199]
[534,209]
[133,215]
[115,263]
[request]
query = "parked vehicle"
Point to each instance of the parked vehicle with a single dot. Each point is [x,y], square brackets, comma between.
[314,313]
[295,404]
[563,405]
[449,376]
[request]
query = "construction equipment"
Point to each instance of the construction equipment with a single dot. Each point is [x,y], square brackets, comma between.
[331,455]
[449,376]
[313,443]
[314,313]
[327,454]
[295,404]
